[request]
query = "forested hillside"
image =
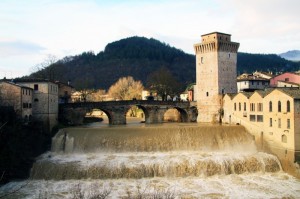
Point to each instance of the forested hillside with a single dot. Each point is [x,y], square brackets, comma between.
[139,57]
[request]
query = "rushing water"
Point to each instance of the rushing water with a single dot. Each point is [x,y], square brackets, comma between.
[156,161]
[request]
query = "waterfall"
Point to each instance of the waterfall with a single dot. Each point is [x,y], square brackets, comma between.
[155,151]
[156,161]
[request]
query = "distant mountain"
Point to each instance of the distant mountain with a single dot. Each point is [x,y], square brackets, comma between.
[138,57]
[293,55]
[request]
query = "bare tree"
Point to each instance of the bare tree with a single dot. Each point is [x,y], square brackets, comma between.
[164,83]
[44,69]
[98,95]
[126,88]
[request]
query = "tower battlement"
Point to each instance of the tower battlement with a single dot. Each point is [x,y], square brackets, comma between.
[216,41]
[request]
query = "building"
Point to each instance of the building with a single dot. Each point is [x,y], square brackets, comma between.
[45,100]
[64,92]
[17,96]
[288,77]
[216,58]
[251,82]
[272,116]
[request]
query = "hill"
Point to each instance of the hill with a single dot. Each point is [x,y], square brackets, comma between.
[293,55]
[138,57]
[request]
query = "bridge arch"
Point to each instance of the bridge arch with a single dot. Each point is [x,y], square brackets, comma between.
[116,110]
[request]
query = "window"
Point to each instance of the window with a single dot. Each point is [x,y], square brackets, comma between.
[286,79]
[260,118]
[270,106]
[252,106]
[284,138]
[36,100]
[279,106]
[234,106]
[271,122]
[288,124]
[229,55]
[279,123]
[240,106]
[252,118]
[288,106]
[245,106]
[260,107]
[36,87]
[201,60]
[206,94]
[29,105]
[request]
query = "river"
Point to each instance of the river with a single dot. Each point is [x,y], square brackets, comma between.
[171,160]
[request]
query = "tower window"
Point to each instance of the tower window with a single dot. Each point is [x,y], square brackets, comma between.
[201,60]
[288,106]
[229,55]
[206,94]
[279,106]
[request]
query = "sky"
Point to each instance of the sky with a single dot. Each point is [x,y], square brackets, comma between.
[33,31]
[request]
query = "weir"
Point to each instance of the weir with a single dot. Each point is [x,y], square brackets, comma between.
[155,151]
[147,161]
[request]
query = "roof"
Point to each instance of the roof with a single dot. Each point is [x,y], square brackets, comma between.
[293,73]
[14,84]
[263,93]
[33,80]
[247,94]
[292,92]
[231,95]
[293,83]
[64,84]
[252,77]
[216,33]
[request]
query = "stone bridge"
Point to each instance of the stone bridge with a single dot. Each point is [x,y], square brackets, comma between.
[116,110]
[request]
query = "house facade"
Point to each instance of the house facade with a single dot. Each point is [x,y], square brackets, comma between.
[64,92]
[288,77]
[251,82]
[272,116]
[45,100]
[17,96]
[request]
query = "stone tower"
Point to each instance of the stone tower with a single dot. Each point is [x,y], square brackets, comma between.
[216,59]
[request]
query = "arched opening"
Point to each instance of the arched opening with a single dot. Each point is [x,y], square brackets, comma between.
[193,114]
[175,115]
[96,117]
[284,138]
[135,114]
[26,118]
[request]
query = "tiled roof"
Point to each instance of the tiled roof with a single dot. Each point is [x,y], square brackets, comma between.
[293,92]
[14,84]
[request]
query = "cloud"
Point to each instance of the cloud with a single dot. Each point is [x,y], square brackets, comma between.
[17,48]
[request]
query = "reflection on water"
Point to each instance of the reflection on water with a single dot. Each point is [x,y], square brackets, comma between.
[146,161]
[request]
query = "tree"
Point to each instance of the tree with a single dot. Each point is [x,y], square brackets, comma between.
[98,95]
[164,83]
[126,88]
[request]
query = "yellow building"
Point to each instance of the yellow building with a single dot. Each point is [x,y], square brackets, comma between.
[272,116]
